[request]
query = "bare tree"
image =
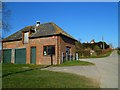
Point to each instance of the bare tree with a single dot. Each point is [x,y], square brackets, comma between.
[0,15]
[5,19]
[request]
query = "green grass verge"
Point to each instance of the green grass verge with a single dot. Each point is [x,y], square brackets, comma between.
[119,52]
[75,63]
[13,68]
[43,79]
[0,76]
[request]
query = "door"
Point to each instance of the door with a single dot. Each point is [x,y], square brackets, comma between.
[7,56]
[33,55]
[20,56]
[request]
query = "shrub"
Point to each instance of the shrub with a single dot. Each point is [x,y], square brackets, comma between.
[119,52]
[98,52]
[97,48]
[105,51]
[84,53]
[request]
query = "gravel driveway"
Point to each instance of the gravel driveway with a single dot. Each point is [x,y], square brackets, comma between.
[105,70]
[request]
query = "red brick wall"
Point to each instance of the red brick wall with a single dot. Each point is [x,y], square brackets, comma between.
[15,45]
[38,43]
[60,43]
[66,42]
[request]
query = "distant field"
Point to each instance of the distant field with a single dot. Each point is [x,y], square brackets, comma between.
[30,76]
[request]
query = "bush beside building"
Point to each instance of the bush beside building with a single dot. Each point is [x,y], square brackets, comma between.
[94,49]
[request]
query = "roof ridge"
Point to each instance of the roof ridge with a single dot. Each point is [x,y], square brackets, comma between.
[63,32]
[44,29]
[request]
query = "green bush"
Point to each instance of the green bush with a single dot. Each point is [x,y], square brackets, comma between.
[97,48]
[84,53]
[98,52]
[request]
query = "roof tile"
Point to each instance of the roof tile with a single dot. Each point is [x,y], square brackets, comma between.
[42,30]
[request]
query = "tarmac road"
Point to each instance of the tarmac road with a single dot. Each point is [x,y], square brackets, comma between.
[108,70]
[104,72]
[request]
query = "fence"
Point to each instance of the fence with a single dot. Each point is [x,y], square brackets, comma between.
[67,57]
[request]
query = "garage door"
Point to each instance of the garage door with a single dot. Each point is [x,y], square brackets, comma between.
[7,56]
[33,55]
[20,56]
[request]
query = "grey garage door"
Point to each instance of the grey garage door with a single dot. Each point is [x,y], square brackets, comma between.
[20,56]
[7,56]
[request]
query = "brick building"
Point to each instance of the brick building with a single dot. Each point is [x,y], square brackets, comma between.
[39,44]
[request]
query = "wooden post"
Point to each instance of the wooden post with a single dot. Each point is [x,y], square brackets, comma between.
[51,59]
[62,57]
[76,56]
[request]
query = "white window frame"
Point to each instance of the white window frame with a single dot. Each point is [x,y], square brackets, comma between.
[26,35]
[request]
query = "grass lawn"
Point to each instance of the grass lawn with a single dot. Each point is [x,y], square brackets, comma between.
[15,68]
[37,78]
[75,63]
[119,52]
[0,76]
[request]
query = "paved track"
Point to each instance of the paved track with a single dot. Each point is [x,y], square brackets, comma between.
[105,71]
[108,70]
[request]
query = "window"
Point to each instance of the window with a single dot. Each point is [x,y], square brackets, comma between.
[68,50]
[26,37]
[48,50]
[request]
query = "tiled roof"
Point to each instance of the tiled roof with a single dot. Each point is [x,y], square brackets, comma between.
[42,30]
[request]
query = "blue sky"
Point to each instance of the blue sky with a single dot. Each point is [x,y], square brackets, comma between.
[83,20]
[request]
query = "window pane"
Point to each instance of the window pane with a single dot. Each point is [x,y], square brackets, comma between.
[68,50]
[45,50]
[48,50]
[26,37]
[53,49]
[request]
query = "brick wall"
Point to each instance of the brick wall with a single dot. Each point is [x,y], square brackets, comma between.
[40,43]
[13,45]
[60,43]
[66,42]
